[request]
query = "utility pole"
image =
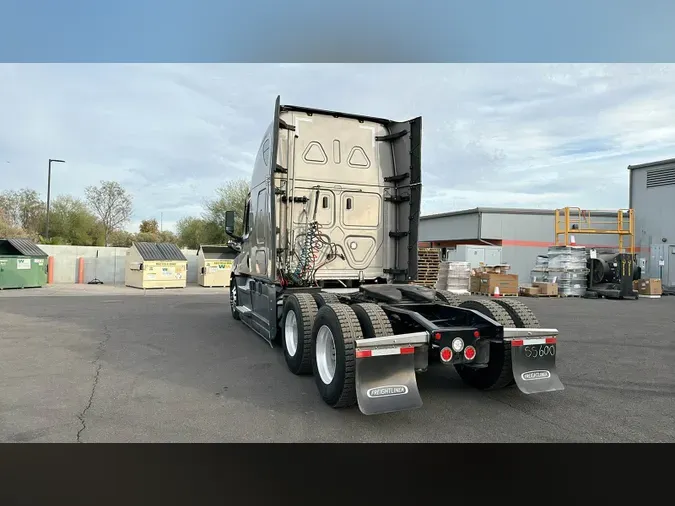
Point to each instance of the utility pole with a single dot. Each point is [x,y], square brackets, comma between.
[161,220]
[49,187]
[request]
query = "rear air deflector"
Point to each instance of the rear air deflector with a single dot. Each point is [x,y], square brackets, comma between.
[387,383]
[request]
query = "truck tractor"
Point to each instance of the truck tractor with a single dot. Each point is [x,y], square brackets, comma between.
[327,261]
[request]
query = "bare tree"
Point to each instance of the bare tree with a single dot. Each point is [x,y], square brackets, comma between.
[111,203]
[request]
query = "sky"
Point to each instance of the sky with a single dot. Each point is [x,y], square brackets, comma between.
[501,135]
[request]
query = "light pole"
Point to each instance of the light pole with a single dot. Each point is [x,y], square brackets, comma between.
[49,187]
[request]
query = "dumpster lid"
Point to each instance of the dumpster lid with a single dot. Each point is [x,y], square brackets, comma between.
[24,247]
[217,251]
[150,251]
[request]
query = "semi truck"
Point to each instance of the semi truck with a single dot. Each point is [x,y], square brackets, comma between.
[327,263]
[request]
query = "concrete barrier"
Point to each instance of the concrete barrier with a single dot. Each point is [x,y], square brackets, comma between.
[105,264]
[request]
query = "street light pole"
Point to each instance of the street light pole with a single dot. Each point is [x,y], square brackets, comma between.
[49,187]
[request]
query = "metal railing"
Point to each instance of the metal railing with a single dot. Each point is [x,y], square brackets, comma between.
[572,221]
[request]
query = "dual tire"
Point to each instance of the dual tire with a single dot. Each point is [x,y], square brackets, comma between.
[499,371]
[321,341]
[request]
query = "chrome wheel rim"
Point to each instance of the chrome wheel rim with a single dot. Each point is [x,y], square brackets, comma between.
[326,362]
[291,333]
[233,298]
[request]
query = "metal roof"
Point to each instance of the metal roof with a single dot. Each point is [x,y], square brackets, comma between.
[509,210]
[217,251]
[150,251]
[651,164]
[26,247]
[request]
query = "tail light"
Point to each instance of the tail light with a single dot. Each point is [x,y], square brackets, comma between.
[470,353]
[457,344]
[446,354]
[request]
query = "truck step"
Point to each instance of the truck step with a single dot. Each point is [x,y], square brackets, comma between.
[243,309]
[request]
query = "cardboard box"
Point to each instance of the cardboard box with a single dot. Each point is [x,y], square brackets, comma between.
[650,287]
[546,288]
[529,291]
[636,284]
[507,283]
[474,285]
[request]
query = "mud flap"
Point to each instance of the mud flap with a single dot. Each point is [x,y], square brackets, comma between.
[533,364]
[386,382]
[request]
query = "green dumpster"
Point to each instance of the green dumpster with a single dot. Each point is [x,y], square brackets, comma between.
[22,264]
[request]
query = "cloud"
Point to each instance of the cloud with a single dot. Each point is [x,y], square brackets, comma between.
[494,135]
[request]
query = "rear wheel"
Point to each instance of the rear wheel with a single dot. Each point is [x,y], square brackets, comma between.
[448,297]
[296,324]
[499,372]
[373,320]
[323,298]
[234,300]
[522,316]
[336,328]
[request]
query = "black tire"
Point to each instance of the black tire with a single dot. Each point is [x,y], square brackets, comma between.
[234,298]
[344,326]
[323,298]
[448,297]
[499,373]
[304,311]
[373,320]
[521,315]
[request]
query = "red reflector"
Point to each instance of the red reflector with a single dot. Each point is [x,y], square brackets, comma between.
[517,342]
[437,336]
[470,353]
[551,340]
[476,334]
[446,354]
[364,353]
[407,350]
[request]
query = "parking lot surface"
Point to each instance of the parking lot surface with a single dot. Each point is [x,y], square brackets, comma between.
[94,364]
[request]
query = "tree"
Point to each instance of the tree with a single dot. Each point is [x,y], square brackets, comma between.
[149,226]
[7,229]
[71,222]
[111,203]
[230,197]
[23,209]
[191,232]
[120,239]
[167,236]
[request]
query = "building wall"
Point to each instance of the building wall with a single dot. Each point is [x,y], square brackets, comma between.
[449,228]
[522,235]
[654,213]
[108,267]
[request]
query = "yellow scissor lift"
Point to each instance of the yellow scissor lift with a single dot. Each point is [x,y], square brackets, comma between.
[605,281]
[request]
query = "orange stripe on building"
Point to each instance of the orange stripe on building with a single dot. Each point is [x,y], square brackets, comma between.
[547,244]
[516,242]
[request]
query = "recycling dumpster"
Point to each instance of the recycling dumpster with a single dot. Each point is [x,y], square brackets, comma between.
[22,264]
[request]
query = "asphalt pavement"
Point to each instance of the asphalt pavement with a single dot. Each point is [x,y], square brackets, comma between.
[94,364]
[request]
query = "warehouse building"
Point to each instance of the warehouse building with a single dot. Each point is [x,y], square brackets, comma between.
[503,235]
[652,196]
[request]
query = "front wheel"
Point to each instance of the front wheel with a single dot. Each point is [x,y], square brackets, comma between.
[234,300]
